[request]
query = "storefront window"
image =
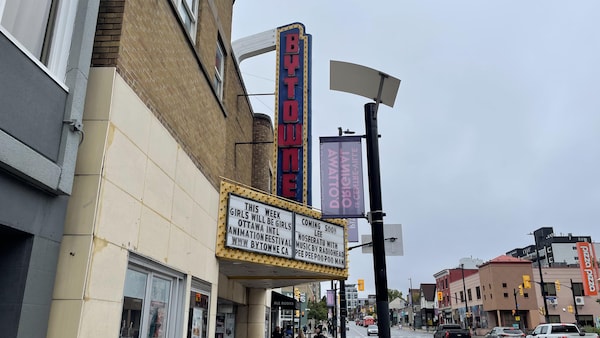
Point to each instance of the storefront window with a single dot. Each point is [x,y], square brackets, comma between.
[159,307]
[133,301]
[198,313]
[152,302]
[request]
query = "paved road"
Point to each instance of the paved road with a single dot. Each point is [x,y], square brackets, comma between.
[356,331]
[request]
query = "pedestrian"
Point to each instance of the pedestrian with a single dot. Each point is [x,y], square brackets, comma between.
[277,333]
[318,333]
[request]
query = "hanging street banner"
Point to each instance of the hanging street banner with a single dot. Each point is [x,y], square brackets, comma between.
[330,298]
[588,268]
[266,229]
[319,242]
[353,230]
[342,191]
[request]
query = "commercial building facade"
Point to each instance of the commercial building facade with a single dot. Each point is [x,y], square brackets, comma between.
[496,295]
[146,246]
[44,63]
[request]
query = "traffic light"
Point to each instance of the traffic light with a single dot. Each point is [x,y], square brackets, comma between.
[526,282]
[557,285]
[440,295]
[521,290]
[361,285]
[297,293]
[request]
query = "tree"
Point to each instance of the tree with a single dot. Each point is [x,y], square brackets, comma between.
[317,310]
[393,294]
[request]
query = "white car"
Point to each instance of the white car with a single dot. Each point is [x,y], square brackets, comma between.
[372,329]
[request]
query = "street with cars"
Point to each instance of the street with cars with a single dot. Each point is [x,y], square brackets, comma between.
[356,331]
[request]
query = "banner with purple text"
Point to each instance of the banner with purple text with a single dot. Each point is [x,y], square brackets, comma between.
[353,230]
[342,191]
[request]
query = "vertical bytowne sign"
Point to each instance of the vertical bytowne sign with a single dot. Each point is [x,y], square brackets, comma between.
[342,192]
[588,268]
[292,114]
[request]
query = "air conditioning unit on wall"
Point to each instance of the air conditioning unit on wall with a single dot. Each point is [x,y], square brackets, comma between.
[552,300]
[579,300]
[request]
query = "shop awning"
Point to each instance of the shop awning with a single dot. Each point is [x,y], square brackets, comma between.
[283,301]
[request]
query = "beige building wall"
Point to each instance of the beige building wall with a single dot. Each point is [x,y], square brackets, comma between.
[564,296]
[135,191]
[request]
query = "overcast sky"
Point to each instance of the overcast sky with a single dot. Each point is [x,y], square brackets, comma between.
[495,131]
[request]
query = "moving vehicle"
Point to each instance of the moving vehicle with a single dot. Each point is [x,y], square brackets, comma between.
[372,329]
[559,330]
[505,332]
[368,320]
[451,331]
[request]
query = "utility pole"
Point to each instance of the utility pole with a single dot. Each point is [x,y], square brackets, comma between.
[412,304]
[574,303]
[517,307]
[467,325]
[542,285]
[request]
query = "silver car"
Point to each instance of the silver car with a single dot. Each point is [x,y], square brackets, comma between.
[505,332]
[372,329]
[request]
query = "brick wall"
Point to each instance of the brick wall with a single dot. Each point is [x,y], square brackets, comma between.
[262,153]
[173,76]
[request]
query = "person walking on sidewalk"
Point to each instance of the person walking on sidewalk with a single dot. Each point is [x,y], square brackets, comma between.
[318,333]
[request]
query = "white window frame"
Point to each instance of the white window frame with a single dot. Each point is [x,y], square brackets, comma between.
[60,41]
[219,70]
[188,16]
[176,305]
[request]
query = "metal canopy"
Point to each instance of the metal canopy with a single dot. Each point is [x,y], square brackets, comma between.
[364,81]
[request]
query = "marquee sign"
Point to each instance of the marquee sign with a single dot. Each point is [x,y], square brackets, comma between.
[265,229]
[319,242]
[258,227]
[292,114]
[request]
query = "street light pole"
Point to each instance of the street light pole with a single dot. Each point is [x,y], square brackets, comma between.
[376,220]
[542,285]
[372,84]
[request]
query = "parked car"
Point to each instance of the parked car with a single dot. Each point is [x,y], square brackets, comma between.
[372,329]
[451,331]
[559,330]
[505,332]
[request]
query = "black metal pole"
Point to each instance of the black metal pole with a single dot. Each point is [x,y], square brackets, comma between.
[574,304]
[343,308]
[376,220]
[331,327]
[542,285]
